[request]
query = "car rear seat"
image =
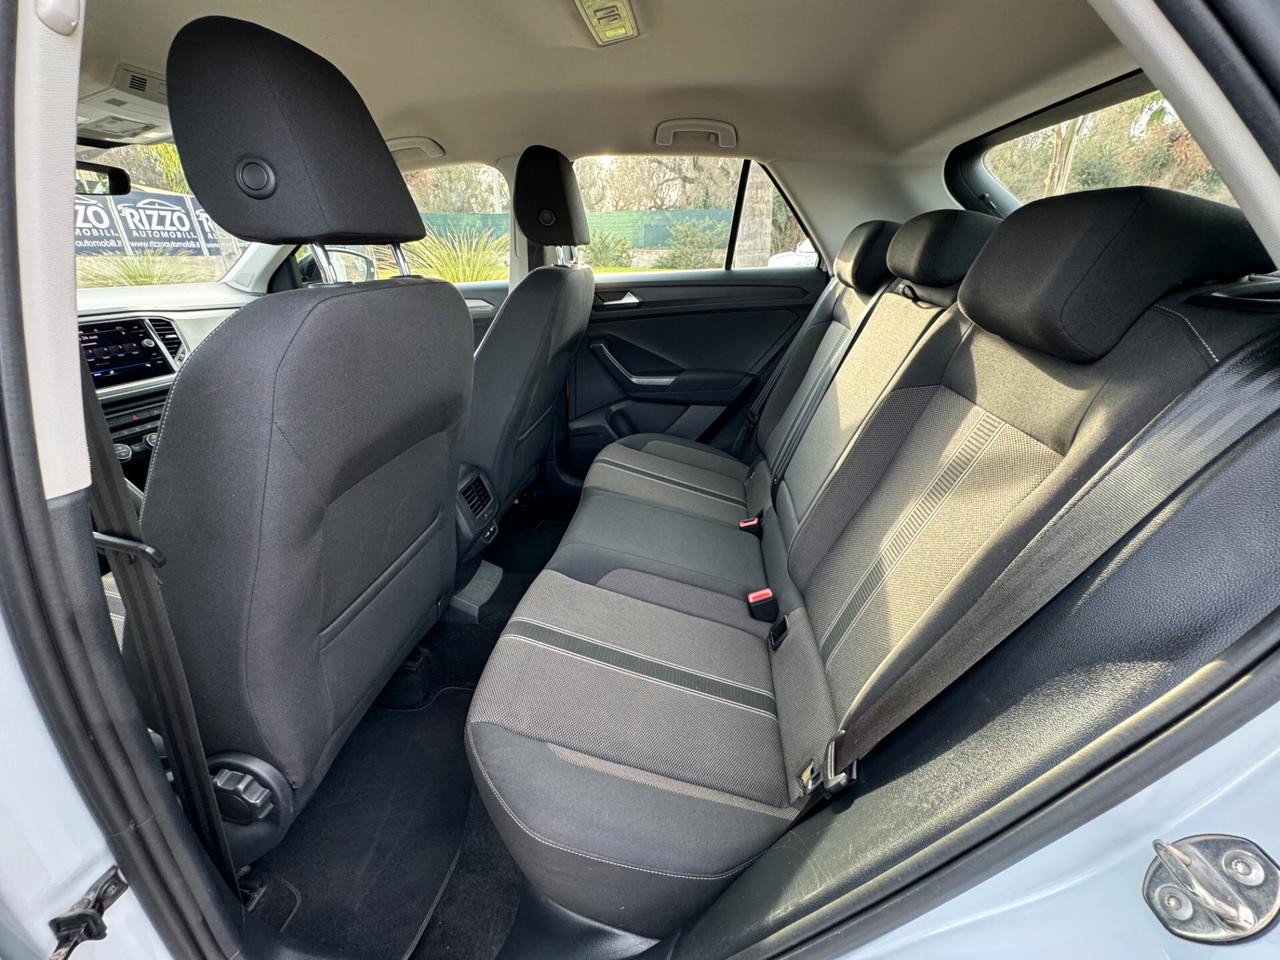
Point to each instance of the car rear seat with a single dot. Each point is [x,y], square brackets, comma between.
[643,510]
[635,737]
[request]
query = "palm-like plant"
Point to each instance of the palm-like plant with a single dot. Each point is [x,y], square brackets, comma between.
[143,269]
[459,256]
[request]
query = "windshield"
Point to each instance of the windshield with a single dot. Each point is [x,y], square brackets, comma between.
[157,233]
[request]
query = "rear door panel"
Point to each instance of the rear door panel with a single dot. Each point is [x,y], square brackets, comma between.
[483,298]
[680,353]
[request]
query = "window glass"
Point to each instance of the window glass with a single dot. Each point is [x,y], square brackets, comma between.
[657,212]
[768,233]
[1139,142]
[158,233]
[466,210]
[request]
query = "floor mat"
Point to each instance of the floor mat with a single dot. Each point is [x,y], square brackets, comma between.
[479,904]
[370,856]
[526,552]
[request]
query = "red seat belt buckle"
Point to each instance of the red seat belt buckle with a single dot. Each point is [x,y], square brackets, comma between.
[763,605]
[753,525]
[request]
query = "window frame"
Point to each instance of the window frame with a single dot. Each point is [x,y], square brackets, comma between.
[974,187]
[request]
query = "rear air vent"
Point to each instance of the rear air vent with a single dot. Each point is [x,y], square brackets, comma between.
[139,83]
[476,496]
[170,338]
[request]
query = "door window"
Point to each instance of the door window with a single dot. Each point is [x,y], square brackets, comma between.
[669,213]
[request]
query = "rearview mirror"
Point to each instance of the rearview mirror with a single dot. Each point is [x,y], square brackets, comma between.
[98,179]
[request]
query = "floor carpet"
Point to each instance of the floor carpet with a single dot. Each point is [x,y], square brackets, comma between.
[479,904]
[459,651]
[367,861]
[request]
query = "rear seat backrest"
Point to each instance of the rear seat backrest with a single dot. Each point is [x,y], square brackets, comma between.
[929,256]
[1029,395]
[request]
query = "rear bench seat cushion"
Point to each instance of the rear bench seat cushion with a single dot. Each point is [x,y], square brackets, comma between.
[629,753]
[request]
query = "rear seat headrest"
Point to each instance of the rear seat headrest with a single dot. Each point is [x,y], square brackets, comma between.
[277,144]
[937,248]
[861,262]
[1069,275]
[547,203]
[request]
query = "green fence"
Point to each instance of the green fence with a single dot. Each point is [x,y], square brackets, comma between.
[642,229]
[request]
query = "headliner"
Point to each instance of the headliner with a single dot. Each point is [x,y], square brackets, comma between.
[879,81]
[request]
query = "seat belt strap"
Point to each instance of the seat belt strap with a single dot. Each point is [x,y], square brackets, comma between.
[1189,434]
[818,390]
[822,307]
[134,565]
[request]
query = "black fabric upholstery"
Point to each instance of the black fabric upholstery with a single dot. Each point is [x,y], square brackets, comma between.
[547,204]
[520,371]
[276,142]
[861,263]
[308,526]
[937,248]
[1127,247]
[937,452]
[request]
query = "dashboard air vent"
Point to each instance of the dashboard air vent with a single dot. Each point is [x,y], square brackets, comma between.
[170,338]
[476,496]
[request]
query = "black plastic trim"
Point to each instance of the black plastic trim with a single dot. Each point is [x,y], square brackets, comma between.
[1235,42]
[1256,687]
[743,174]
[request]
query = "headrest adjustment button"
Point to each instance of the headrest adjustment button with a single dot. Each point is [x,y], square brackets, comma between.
[256,178]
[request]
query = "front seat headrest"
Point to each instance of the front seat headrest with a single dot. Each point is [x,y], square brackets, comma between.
[861,263]
[936,249]
[547,203]
[277,144]
[1069,275]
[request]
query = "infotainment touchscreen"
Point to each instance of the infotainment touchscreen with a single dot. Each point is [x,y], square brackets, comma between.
[122,351]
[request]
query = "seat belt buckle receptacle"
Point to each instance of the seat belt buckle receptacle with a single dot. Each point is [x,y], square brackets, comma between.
[753,525]
[763,605]
[834,781]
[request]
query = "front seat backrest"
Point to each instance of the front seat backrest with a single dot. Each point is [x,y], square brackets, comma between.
[303,482]
[523,361]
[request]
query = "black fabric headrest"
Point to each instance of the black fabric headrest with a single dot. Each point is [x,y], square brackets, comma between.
[547,204]
[861,264]
[276,143]
[937,248]
[1069,275]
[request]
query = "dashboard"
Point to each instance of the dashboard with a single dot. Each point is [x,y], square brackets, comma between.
[134,355]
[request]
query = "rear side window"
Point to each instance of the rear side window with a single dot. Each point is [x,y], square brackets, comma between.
[665,213]
[1138,142]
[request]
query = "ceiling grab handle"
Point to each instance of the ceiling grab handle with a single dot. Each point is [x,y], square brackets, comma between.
[725,134]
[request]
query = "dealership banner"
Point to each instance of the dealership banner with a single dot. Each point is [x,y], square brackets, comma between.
[143,222]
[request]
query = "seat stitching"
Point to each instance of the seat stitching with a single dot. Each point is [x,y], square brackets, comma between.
[1174,313]
[925,522]
[726,799]
[645,656]
[591,544]
[696,491]
[631,673]
[475,753]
